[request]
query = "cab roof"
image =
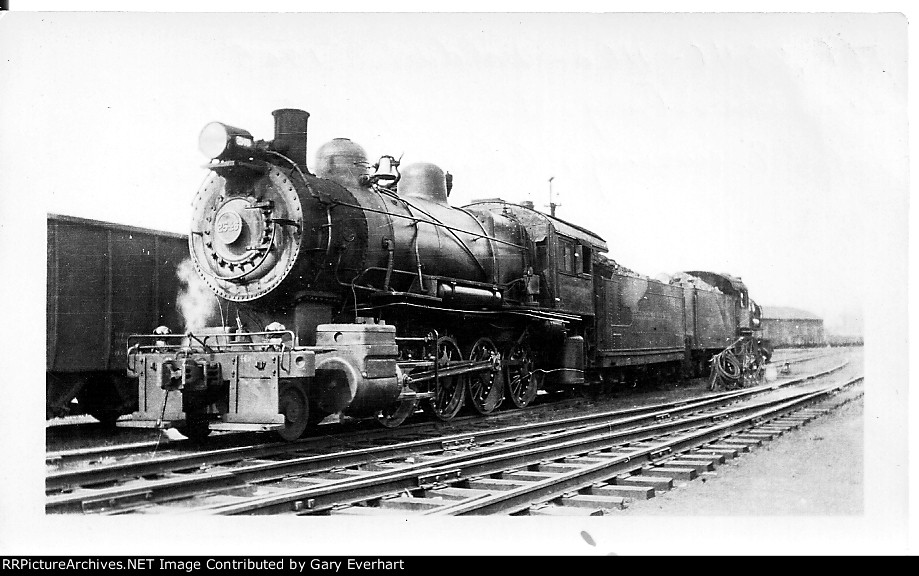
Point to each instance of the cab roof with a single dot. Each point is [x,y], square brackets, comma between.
[537,223]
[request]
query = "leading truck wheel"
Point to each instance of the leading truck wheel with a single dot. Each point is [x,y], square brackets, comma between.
[518,373]
[396,414]
[292,403]
[196,427]
[449,391]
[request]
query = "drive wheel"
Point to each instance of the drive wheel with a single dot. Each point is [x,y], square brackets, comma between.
[293,404]
[486,389]
[450,391]
[521,381]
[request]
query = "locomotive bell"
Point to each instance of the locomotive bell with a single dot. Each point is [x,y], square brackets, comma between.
[342,161]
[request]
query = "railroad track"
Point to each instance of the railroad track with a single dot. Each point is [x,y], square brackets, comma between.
[340,434]
[136,485]
[101,456]
[583,476]
[65,467]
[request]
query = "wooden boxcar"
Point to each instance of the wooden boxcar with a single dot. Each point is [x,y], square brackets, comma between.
[105,281]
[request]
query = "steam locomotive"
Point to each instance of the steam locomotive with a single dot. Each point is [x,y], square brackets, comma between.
[358,290]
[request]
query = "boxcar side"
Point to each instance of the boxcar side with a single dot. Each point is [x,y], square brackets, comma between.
[105,281]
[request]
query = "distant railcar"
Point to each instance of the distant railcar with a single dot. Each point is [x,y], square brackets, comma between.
[105,282]
[845,340]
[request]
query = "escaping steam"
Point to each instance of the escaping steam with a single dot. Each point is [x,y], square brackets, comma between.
[197,303]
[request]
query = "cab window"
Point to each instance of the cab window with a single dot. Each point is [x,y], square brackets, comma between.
[566,257]
[573,258]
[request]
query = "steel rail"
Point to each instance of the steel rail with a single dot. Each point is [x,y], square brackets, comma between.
[178,487]
[65,479]
[519,499]
[487,461]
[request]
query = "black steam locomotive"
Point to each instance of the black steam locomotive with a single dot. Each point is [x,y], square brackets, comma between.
[358,290]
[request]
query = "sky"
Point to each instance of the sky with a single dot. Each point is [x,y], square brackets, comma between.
[767,146]
[770,146]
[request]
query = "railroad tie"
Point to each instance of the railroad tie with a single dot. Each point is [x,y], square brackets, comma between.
[656,482]
[757,433]
[593,501]
[733,448]
[563,511]
[622,491]
[301,482]
[605,456]
[698,464]
[365,511]
[494,484]
[584,460]
[786,425]
[409,503]
[717,457]
[742,440]
[339,474]
[528,476]
[678,473]
[775,431]
[450,493]
[558,468]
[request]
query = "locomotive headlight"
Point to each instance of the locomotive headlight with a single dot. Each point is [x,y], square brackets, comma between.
[219,140]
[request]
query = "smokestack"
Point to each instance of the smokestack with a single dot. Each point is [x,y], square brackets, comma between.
[290,134]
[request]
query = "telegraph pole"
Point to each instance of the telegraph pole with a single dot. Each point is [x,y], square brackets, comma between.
[552,205]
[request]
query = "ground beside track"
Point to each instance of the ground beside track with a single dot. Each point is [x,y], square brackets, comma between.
[815,470]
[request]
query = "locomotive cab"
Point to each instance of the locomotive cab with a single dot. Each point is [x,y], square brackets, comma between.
[564,255]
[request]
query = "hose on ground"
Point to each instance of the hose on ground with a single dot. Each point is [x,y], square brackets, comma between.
[726,368]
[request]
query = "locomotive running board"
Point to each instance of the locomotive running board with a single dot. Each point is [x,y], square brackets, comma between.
[244,427]
[221,426]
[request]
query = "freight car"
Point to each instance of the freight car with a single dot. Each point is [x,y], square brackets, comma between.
[359,290]
[105,282]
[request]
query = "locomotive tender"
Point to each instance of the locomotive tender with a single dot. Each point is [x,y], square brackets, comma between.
[358,290]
